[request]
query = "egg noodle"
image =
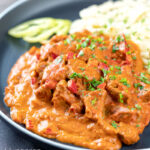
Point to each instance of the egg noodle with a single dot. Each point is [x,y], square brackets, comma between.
[127,16]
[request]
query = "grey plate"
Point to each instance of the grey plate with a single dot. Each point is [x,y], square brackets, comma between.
[11,49]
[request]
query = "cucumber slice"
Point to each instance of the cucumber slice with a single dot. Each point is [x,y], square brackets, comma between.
[39,30]
[62,27]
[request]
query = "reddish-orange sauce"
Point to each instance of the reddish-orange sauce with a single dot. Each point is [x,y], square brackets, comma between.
[87,89]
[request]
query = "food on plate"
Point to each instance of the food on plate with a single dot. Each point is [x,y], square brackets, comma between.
[87,89]
[40,30]
[126,16]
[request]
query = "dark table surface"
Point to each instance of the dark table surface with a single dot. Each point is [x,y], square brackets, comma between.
[10,138]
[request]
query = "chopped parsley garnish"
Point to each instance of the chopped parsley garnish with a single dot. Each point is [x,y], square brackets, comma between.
[92,46]
[124,82]
[74,75]
[73,36]
[143,20]
[78,46]
[105,26]
[105,72]
[95,83]
[138,107]
[85,43]
[93,55]
[129,52]
[103,48]
[67,41]
[82,68]
[111,67]
[119,39]
[134,57]
[125,20]
[118,72]
[112,77]
[118,67]
[114,124]
[120,98]
[143,78]
[93,101]
[115,48]
[138,85]
[137,125]
[100,40]
[81,53]
[111,20]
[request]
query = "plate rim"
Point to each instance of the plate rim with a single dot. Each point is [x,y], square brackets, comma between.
[22,129]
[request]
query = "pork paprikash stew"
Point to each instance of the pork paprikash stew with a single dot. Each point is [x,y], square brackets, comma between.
[88,89]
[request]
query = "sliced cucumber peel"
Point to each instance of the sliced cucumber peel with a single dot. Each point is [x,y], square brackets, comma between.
[40,30]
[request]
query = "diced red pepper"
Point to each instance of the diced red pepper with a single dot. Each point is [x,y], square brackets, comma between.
[54,56]
[49,83]
[33,80]
[29,124]
[49,132]
[72,86]
[126,62]
[38,56]
[103,66]
[101,86]
[70,55]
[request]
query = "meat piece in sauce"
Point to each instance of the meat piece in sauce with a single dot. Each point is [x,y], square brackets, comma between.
[94,104]
[63,98]
[114,89]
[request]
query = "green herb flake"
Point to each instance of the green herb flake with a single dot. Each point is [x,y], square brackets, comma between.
[93,102]
[125,20]
[115,48]
[118,67]
[102,48]
[111,20]
[143,78]
[124,82]
[111,67]
[138,107]
[105,72]
[134,57]
[85,43]
[78,46]
[92,46]
[138,85]
[133,108]
[93,56]
[82,68]
[137,125]
[73,36]
[112,77]
[118,72]
[81,53]
[129,52]
[121,98]
[114,124]
[100,40]
[143,20]
[105,26]
[119,39]
[74,75]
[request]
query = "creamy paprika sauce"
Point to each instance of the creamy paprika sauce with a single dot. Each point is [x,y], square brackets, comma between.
[87,89]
